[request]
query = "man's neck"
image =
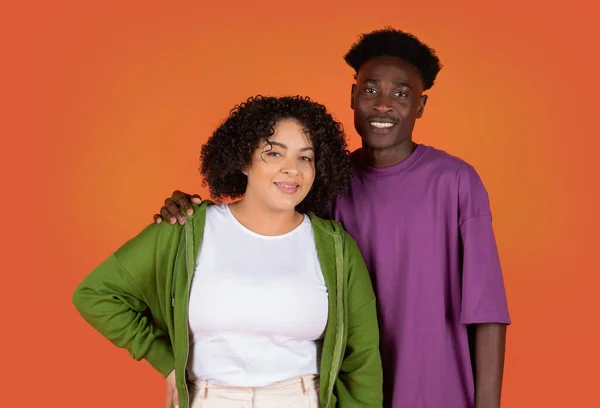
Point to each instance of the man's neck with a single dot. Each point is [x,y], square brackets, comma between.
[380,158]
[264,221]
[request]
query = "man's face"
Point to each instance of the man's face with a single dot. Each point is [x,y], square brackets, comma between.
[387,99]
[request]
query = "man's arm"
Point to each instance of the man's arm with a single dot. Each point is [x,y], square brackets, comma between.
[484,307]
[176,206]
[488,345]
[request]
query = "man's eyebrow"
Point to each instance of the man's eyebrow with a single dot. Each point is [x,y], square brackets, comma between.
[378,81]
[403,84]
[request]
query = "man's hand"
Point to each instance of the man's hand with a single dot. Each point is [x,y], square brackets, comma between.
[176,206]
[172,395]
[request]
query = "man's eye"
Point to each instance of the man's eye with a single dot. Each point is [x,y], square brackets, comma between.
[402,94]
[370,90]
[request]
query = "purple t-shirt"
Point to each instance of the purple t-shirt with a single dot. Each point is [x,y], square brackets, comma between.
[425,230]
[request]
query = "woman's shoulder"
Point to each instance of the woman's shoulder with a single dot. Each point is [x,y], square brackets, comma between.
[326,225]
[157,237]
[334,229]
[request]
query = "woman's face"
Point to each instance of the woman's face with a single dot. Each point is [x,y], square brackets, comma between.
[282,169]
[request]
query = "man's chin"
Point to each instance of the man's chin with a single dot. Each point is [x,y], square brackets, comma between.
[377,141]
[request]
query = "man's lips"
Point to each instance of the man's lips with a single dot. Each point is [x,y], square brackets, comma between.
[381,123]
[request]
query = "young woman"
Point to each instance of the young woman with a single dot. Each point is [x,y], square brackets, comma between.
[258,303]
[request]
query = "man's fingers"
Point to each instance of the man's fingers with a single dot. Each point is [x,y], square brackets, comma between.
[175,207]
[174,211]
[178,195]
[185,206]
[165,214]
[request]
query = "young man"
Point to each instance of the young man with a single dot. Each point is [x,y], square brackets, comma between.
[422,220]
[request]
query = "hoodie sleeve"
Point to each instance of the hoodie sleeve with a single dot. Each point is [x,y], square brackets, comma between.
[113,299]
[360,379]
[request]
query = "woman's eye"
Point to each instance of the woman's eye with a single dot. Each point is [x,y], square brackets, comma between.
[306,159]
[274,154]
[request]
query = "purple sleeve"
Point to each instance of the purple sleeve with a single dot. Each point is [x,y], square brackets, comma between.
[483,293]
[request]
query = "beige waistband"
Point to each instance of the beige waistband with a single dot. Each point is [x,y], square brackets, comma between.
[293,386]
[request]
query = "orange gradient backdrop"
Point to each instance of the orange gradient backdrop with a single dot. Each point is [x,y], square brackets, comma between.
[126,92]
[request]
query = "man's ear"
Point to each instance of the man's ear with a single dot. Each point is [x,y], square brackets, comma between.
[352,93]
[422,103]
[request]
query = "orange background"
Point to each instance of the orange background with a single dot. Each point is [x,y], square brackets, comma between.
[124,93]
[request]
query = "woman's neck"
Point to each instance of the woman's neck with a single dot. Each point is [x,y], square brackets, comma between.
[264,221]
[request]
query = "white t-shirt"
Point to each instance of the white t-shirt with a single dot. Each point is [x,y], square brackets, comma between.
[258,304]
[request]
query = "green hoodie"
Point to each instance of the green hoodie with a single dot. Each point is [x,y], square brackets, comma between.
[138,299]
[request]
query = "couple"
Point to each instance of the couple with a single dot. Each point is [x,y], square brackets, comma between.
[263,303]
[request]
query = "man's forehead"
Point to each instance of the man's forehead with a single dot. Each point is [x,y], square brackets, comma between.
[387,64]
[390,68]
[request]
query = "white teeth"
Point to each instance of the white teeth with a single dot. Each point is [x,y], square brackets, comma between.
[382,124]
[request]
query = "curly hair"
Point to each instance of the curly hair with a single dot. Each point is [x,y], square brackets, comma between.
[229,150]
[390,42]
